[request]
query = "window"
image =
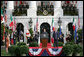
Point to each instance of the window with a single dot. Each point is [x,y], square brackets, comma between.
[69,8]
[20,8]
[45,8]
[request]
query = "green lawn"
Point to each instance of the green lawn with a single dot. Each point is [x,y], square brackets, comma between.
[3,53]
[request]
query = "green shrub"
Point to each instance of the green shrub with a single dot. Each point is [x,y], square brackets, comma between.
[33,44]
[12,49]
[70,47]
[19,49]
[69,43]
[76,49]
[67,49]
[21,43]
[81,53]
[24,49]
[60,43]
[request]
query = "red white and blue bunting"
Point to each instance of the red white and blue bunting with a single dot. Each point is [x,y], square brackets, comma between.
[38,51]
[54,51]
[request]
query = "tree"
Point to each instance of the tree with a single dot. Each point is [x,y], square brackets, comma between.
[31,32]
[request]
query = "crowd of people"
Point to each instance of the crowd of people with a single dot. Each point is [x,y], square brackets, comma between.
[57,38]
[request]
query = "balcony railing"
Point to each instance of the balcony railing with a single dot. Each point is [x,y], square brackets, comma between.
[20,10]
[45,10]
[70,10]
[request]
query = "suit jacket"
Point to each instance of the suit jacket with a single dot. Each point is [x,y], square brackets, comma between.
[55,35]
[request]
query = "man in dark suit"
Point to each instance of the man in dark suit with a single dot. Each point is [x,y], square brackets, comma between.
[44,32]
[55,37]
[36,36]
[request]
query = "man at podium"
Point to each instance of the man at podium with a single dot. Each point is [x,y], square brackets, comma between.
[44,38]
[44,32]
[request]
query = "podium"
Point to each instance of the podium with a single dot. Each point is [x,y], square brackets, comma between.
[44,40]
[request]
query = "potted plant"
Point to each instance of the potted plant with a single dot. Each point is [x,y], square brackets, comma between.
[11,49]
[76,50]
[67,50]
[33,44]
[59,44]
[21,49]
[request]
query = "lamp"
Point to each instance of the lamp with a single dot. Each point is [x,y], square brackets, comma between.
[30,22]
[59,22]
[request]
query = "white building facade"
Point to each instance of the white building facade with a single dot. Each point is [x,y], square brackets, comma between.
[58,12]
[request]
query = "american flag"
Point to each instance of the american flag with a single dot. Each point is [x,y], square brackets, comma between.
[37,24]
[78,22]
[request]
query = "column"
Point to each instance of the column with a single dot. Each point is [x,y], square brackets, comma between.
[32,9]
[57,9]
[66,30]
[32,4]
[57,4]
[25,30]
[10,7]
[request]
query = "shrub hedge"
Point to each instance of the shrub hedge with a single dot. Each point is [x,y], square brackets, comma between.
[33,44]
[19,49]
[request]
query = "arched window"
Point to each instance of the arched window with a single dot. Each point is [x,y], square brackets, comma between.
[45,8]
[69,8]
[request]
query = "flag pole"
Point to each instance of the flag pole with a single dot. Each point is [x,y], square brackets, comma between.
[78,20]
[57,38]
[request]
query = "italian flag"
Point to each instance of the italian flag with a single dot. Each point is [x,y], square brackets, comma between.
[73,24]
[37,24]
[53,24]
[4,32]
[11,24]
[2,18]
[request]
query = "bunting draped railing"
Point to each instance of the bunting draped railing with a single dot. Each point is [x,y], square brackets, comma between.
[49,51]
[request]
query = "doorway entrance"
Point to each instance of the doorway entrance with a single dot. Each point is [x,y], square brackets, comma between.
[70,28]
[20,31]
[47,27]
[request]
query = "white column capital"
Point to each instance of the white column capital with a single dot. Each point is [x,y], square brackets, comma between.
[57,4]
[32,4]
[10,5]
